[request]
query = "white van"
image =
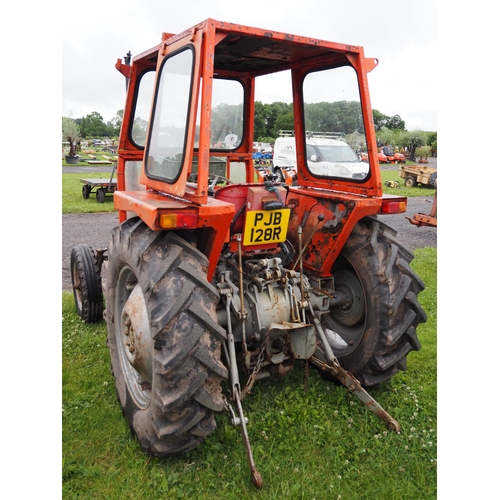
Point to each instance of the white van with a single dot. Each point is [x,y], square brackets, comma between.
[325,157]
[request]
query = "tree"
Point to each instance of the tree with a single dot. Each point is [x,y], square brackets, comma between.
[385,136]
[259,121]
[115,124]
[93,125]
[339,116]
[431,138]
[139,129]
[283,122]
[391,122]
[412,140]
[379,120]
[226,119]
[395,122]
[272,112]
[70,133]
[266,115]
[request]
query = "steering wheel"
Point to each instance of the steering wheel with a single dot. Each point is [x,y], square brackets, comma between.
[214,180]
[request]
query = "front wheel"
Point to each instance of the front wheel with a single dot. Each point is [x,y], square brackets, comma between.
[374,330]
[163,337]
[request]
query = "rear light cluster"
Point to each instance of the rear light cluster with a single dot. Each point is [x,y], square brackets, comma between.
[393,207]
[178,220]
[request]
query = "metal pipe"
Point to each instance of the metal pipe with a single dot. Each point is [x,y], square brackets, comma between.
[233,367]
[242,313]
[302,298]
[348,380]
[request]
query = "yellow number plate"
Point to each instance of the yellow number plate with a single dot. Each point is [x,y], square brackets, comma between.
[263,227]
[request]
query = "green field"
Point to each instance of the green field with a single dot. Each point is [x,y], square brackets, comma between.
[319,444]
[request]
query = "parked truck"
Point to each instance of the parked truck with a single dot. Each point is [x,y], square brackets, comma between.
[214,282]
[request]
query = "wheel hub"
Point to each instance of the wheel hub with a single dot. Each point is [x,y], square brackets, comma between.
[353,309]
[136,333]
[135,343]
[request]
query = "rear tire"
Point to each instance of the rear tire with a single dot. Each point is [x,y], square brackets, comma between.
[87,285]
[163,337]
[378,326]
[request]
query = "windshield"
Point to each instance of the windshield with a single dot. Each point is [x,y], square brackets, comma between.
[337,153]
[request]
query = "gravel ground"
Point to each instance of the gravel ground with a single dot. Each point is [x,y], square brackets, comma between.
[94,230]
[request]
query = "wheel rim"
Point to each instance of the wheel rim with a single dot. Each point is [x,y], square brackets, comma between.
[133,336]
[77,288]
[346,323]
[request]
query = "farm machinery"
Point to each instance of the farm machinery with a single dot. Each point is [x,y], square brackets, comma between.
[417,174]
[391,155]
[214,280]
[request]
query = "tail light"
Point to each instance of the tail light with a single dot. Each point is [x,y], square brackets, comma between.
[393,206]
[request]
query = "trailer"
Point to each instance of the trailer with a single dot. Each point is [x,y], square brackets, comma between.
[101,186]
[415,174]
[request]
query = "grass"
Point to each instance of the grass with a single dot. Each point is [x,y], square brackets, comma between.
[73,202]
[323,444]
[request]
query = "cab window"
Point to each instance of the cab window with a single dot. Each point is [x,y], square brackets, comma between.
[142,109]
[332,105]
[166,148]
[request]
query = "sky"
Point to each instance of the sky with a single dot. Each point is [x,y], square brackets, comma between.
[402,35]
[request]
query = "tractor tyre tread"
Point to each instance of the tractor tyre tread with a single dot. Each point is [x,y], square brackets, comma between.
[187,371]
[393,311]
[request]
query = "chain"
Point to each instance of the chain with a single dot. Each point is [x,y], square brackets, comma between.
[229,408]
[252,378]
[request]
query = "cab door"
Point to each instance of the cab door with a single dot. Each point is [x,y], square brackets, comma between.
[169,148]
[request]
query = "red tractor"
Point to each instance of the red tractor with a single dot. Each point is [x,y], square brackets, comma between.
[213,274]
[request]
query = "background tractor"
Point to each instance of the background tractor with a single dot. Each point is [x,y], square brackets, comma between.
[216,273]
